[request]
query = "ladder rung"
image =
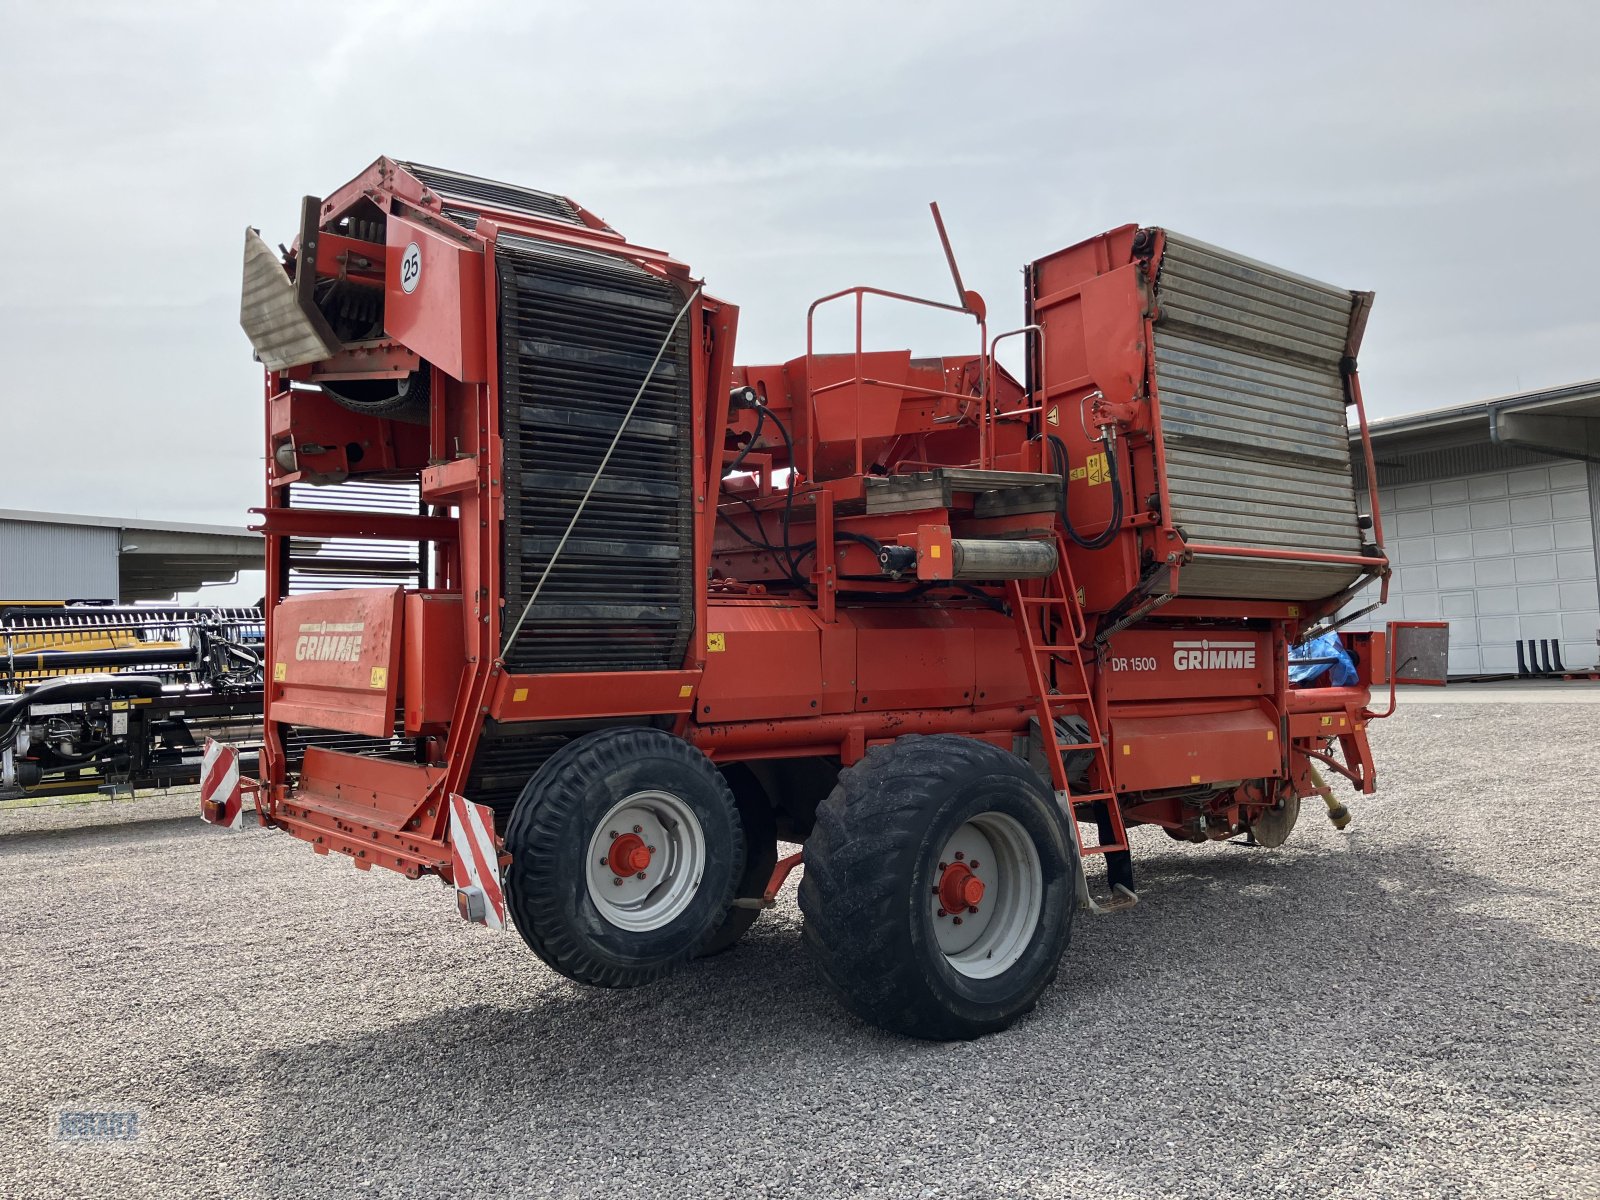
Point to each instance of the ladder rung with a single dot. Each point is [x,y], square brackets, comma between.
[1112,848]
[1063,747]
[1057,600]
[1090,797]
[1066,697]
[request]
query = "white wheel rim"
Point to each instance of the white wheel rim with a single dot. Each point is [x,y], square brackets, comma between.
[671,835]
[985,939]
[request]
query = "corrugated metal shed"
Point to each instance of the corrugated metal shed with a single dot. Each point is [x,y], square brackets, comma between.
[40,560]
[63,556]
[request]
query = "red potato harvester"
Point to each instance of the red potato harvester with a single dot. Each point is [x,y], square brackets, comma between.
[567,608]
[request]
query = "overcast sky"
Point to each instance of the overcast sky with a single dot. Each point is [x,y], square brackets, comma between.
[1444,155]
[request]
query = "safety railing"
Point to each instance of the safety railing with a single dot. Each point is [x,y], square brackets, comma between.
[860,382]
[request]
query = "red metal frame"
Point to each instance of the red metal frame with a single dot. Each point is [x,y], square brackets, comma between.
[828,665]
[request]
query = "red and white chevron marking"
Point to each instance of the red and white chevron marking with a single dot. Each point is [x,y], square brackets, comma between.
[221,793]
[475,863]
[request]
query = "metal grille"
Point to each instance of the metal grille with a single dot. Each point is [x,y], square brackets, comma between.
[504,196]
[579,331]
[1254,420]
[333,564]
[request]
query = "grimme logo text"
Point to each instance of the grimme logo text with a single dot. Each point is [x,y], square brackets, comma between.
[329,641]
[1214,656]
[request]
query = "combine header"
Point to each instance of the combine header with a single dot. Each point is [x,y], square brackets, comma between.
[570,609]
[101,697]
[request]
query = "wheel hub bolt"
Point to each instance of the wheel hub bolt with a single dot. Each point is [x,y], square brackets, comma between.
[957,921]
[638,828]
[640,875]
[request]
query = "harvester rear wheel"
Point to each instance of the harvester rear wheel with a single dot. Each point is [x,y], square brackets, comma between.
[760,825]
[939,887]
[625,851]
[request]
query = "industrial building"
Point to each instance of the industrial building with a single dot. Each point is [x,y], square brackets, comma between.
[1490,515]
[58,556]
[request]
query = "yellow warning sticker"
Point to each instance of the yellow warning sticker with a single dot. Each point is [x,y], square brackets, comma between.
[1077,473]
[518,696]
[1271,736]
[933,550]
[380,677]
[716,643]
[1194,779]
[280,672]
[1096,467]
[686,691]
[119,706]
[1053,417]
[1294,610]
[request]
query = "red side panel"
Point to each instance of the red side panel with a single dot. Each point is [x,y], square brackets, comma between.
[435,658]
[433,300]
[1185,749]
[335,660]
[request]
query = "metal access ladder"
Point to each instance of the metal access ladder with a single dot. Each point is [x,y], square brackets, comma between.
[1051,630]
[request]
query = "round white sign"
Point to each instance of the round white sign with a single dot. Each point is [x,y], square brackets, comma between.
[411,268]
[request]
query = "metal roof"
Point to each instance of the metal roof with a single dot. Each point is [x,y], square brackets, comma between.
[1562,421]
[157,559]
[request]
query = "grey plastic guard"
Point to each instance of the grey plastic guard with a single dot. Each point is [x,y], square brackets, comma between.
[282,323]
[1419,652]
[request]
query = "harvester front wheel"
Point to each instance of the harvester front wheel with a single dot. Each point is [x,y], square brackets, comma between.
[625,851]
[939,887]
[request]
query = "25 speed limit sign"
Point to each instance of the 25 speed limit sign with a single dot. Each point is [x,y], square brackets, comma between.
[411,268]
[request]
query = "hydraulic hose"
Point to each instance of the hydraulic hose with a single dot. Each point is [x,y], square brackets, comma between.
[1058,453]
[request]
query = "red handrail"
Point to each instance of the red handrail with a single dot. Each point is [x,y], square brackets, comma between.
[861,293]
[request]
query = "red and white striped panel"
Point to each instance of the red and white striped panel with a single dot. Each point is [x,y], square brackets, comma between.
[221,793]
[475,863]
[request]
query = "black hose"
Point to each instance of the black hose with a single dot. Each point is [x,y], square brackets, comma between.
[738,459]
[1058,452]
[788,500]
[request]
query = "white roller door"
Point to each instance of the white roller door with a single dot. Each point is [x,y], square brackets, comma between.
[1503,556]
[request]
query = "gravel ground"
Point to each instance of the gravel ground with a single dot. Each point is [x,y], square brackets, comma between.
[1405,1009]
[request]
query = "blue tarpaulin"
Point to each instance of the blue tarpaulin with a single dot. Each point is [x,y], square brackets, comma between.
[1310,659]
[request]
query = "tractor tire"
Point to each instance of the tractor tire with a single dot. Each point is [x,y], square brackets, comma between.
[394,399]
[895,842]
[760,825]
[625,851]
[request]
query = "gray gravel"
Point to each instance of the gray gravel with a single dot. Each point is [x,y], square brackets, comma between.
[1406,1009]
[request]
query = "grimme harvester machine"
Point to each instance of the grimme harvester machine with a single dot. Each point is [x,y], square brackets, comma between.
[101,697]
[927,618]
